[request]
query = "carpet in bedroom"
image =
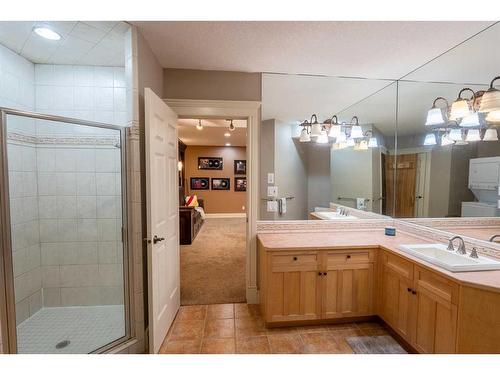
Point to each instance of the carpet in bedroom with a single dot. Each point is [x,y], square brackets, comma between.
[213,266]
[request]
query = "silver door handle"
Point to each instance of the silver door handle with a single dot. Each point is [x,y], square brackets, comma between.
[157,239]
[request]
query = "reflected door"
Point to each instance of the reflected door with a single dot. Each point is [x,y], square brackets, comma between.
[403,169]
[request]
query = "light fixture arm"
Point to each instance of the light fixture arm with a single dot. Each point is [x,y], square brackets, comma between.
[354,121]
[466,89]
[492,81]
[440,98]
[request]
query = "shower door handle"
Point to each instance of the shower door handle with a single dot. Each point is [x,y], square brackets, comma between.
[157,239]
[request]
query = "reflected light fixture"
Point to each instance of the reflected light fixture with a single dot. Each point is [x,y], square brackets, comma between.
[227,135]
[473,135]
[430,140]
[322,138]
[334,127]
[231,125]
[471,120]
[199,126]
[445,141]
[493,116]
[179,165]
[356,130]
[491,99]
[363,145]
[304,136]
[436,115]
[228,144]
[350,142]
[490,134]
[341,138]
[455,135]
[460,108]
[46,32]
[372,143]
[316,127]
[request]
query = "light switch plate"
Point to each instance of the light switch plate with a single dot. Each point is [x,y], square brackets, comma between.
[272,191]
[270,178]
[272,206]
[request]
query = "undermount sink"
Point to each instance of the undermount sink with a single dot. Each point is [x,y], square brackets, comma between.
[452,261]
[332,215]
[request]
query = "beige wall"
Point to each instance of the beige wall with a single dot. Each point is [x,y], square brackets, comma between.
[216,201]
[211,85]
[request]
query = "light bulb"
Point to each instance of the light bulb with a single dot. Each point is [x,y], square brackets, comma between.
[430,140]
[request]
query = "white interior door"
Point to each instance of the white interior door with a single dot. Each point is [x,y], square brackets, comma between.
[162,217]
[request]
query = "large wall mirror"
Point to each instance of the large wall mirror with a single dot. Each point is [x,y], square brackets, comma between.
[448,152]
[326,141]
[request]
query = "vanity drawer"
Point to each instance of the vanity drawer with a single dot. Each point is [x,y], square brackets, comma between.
[442,288]
[400,266]
[347,257]
[294,262]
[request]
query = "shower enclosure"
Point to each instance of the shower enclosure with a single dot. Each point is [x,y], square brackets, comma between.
[63,249]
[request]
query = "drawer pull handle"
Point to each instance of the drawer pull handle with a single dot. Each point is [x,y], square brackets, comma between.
[413,292]
[348,257]
[325,273]
[409,289]
[295,258]
[319,274]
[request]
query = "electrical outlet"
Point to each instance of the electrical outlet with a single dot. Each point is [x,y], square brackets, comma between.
[270,178]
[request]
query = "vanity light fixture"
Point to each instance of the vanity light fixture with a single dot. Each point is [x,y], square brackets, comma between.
[356,130]
[228,144]
[316,127]
[460,108]
[471,120]
[304,136]
[335,127]
[493,116]
[341,138]
[436,115]
[430,140]
[350,142]
[363,145]
[473,135]
[199,126]
[227,135]
[179,165]
[322,138]
[231,125]
[455,135]
[46,32]
[445,141]
[490,101]
[372,142]
[490,134]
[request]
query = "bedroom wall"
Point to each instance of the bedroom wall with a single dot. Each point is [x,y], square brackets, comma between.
[216,201]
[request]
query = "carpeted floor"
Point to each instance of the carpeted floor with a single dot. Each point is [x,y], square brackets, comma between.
[213,266]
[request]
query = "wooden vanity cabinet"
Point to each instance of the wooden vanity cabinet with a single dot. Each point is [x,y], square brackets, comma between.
[420,305]
[312,285]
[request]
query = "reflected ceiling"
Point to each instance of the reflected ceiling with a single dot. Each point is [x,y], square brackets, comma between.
[212,133]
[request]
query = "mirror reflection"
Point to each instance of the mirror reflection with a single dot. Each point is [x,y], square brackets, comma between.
[322,156]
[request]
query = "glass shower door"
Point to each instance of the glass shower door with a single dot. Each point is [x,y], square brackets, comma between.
[66,248]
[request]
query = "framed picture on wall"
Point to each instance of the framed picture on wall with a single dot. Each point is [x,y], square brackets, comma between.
[220,184]
[200,183]
[210,163]
[240,184]
[240,167]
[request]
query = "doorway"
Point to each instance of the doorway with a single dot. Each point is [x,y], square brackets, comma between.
[212,210]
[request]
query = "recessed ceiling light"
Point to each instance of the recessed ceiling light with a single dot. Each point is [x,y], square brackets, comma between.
[228,144]
[46,33]
[227,135]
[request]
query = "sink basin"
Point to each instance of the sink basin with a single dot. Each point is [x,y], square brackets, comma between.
[438,254]
[332,215]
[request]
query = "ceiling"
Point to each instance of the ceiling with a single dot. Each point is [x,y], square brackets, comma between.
[360,49]
[212,133]
[83,43]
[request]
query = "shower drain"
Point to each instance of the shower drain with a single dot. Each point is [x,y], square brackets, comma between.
[62,344]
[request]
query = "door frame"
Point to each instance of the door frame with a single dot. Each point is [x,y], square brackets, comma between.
[249,110]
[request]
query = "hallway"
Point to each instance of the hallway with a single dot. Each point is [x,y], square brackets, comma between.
[213,266]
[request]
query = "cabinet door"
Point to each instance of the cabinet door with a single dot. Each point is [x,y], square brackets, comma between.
[396,303]
[436,313]
[293,287]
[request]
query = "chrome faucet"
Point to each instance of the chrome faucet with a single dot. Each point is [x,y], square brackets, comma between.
[461,245]
[473,253]
[492,239]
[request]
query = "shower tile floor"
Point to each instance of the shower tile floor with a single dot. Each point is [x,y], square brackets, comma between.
[86,327]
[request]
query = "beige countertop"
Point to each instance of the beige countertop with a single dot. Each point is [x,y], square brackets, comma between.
[372,238]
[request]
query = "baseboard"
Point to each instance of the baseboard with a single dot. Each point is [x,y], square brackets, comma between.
[226,215]
[252,295]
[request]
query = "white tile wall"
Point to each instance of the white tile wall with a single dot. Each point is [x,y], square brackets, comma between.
[88,92]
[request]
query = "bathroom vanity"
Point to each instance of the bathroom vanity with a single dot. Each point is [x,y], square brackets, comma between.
[311,278]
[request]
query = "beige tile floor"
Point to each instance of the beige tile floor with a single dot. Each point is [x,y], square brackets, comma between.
[239,328]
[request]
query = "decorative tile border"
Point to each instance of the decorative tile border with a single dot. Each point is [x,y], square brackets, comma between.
[320,225]
[458,222]
[65,140]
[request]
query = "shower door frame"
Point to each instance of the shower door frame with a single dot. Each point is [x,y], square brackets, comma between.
[7,294]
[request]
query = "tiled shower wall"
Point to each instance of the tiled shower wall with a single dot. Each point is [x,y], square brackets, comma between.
[73,255]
